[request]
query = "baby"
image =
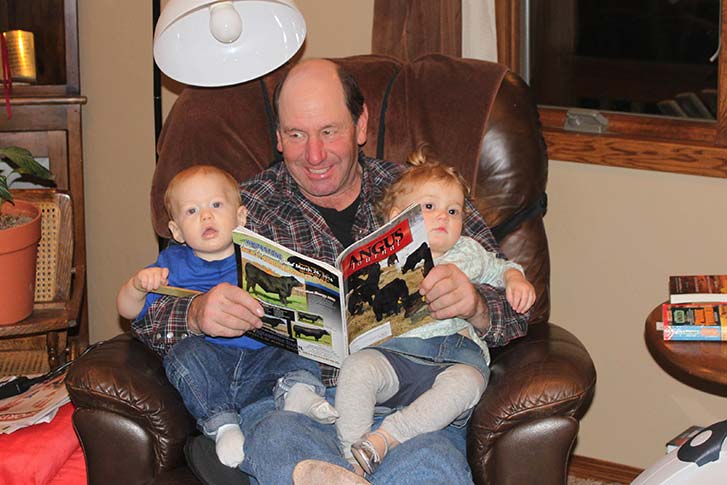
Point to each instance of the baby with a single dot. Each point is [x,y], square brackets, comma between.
[402,374]
[204,206]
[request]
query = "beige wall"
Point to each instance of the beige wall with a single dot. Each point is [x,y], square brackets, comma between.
[615,234]
[118,147]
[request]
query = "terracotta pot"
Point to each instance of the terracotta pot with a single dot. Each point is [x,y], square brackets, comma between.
[18,251]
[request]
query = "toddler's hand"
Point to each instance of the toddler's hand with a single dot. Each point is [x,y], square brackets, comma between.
[519,292]
[149,279]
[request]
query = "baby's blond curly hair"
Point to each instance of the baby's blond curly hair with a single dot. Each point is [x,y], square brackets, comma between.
[423,166]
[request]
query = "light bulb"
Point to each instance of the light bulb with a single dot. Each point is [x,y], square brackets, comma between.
[225,22]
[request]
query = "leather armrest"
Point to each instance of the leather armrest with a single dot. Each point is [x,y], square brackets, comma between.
[125,402]
[538,387]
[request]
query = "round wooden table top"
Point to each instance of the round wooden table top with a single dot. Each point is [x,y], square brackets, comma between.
[702,365]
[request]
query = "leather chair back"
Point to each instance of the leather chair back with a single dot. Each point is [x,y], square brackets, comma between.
[476,115]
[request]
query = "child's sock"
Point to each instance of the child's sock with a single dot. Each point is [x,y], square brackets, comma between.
[228,445]
[302,398]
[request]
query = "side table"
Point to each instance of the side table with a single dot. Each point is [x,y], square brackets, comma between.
[702,365]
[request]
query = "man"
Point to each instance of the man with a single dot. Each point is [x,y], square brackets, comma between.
[317,202]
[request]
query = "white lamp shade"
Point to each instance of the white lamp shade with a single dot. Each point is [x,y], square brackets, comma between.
[185,49]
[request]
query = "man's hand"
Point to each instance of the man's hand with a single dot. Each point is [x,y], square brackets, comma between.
[224,311]
[449,293]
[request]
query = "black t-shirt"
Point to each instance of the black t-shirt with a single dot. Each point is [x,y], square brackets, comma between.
[341,222]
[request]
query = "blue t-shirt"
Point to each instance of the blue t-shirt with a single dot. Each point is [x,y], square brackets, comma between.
[187,270]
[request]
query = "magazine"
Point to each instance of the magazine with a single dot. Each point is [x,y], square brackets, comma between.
[38,404]
[325,312]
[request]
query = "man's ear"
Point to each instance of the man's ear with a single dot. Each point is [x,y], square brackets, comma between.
[280,142]
[176,232]
[361,125]
[241,215]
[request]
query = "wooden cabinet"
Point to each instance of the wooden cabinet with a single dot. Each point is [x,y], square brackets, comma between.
[54,25]
[46,119]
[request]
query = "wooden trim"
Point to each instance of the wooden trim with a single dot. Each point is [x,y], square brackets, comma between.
[73,80]
[634,126]
[584,467]
[47,100]
[507,24]
[662,156]
[721,136]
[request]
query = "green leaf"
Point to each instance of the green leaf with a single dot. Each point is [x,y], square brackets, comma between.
[23,163]
[4,191]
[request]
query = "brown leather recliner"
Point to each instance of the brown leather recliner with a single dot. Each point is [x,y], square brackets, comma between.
[477,116]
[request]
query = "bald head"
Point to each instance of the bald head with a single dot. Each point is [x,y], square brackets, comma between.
[319,77]
[322,68]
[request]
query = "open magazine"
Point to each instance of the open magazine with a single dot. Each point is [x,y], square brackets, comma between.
[38,404]
[325,312]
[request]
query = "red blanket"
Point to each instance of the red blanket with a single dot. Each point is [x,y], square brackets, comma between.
[47,453]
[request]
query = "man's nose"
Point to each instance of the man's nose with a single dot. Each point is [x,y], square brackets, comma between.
[316,150]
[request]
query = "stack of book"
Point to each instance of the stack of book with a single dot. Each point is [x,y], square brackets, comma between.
[697,308]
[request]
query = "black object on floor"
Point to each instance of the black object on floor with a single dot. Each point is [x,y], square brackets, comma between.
[202,460]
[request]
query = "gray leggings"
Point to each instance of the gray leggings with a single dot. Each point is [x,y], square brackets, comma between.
[367,378]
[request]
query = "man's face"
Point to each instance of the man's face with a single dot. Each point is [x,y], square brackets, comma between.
[319,140]
[205,211]
[442,207]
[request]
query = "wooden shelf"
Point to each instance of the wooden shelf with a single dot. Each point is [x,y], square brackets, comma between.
[46,100]
[54,24]
[40,321]
[46,119]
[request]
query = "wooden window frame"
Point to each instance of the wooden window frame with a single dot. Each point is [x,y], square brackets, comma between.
[631,141]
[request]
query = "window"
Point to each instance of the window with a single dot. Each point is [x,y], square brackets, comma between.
[650,67]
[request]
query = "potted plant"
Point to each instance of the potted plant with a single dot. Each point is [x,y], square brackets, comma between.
[19,235]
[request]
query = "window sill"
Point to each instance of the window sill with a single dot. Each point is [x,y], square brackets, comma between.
[694,152]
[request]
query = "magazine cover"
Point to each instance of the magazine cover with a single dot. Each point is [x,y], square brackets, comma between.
[382,274]
[324,312]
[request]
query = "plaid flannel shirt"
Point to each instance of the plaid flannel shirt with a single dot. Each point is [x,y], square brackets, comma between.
[279,211]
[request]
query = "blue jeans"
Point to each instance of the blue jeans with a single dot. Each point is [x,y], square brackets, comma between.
[217,381]
[275,441]
[448,349]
